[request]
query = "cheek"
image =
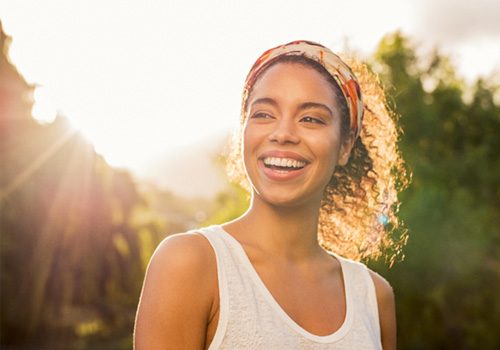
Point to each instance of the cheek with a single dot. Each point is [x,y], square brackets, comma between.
[327,150]
[249,140]
[246,141]
[326,145]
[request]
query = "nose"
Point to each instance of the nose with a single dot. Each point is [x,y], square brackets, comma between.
[284,132]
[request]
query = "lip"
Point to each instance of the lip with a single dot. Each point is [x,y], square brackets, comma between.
[283,154]
[282,175]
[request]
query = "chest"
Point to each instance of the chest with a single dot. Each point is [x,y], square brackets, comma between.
[299,315]
[316,303]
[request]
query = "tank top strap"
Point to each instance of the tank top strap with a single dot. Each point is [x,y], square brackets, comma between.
[363,294]
[223,257]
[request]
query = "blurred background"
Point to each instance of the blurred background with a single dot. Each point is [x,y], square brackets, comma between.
[113,121]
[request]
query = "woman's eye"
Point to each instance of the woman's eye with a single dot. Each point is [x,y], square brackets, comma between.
[313,120]
[261,115]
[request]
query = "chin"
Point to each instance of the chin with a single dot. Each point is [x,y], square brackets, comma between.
[286,199]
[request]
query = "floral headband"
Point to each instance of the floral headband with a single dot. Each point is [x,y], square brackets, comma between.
[340,71]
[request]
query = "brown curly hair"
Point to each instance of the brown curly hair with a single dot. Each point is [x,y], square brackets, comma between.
[358,211]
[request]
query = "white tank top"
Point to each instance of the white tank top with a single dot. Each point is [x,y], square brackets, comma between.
[250,317]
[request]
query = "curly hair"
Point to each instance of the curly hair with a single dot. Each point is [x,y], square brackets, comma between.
[358,215]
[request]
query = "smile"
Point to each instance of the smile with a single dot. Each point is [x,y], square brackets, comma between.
[278,169]
[283,163]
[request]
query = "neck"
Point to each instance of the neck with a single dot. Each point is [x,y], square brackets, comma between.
[287,232]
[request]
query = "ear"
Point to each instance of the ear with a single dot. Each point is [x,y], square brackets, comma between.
[345,149]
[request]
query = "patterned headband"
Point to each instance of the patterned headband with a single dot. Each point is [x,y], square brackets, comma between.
[340,71]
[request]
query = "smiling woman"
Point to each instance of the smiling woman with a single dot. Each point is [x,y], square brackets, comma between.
[292,105]
[321,164]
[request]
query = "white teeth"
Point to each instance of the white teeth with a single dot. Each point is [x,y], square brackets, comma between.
[284,162]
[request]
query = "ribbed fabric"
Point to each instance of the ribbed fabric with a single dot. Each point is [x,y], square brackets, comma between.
[250,318]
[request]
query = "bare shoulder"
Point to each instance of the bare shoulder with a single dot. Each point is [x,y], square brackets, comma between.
[178,294]
[182,257]
[183,261]
[382,287]
[183,250]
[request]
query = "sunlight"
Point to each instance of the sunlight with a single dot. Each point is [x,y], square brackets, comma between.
[67,207]
[114,141]
[127,79]
[43,157]
[44,109]
[114,138]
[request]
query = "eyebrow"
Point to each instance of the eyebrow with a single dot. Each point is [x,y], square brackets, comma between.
[305,105]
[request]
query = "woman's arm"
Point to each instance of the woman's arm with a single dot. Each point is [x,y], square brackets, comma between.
[386,311]
[177,296]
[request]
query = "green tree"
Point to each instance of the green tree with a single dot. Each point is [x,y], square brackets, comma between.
[446,285]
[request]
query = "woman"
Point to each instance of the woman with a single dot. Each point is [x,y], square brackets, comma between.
[322,166]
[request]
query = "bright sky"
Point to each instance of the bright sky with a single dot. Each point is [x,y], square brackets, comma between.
[149,78]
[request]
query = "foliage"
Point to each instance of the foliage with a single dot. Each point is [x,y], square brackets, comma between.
[72,248]
[447,284]
[229,204]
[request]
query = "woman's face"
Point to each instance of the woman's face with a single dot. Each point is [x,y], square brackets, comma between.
[292,135]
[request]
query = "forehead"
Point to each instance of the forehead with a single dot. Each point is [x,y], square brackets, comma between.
[292,81]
